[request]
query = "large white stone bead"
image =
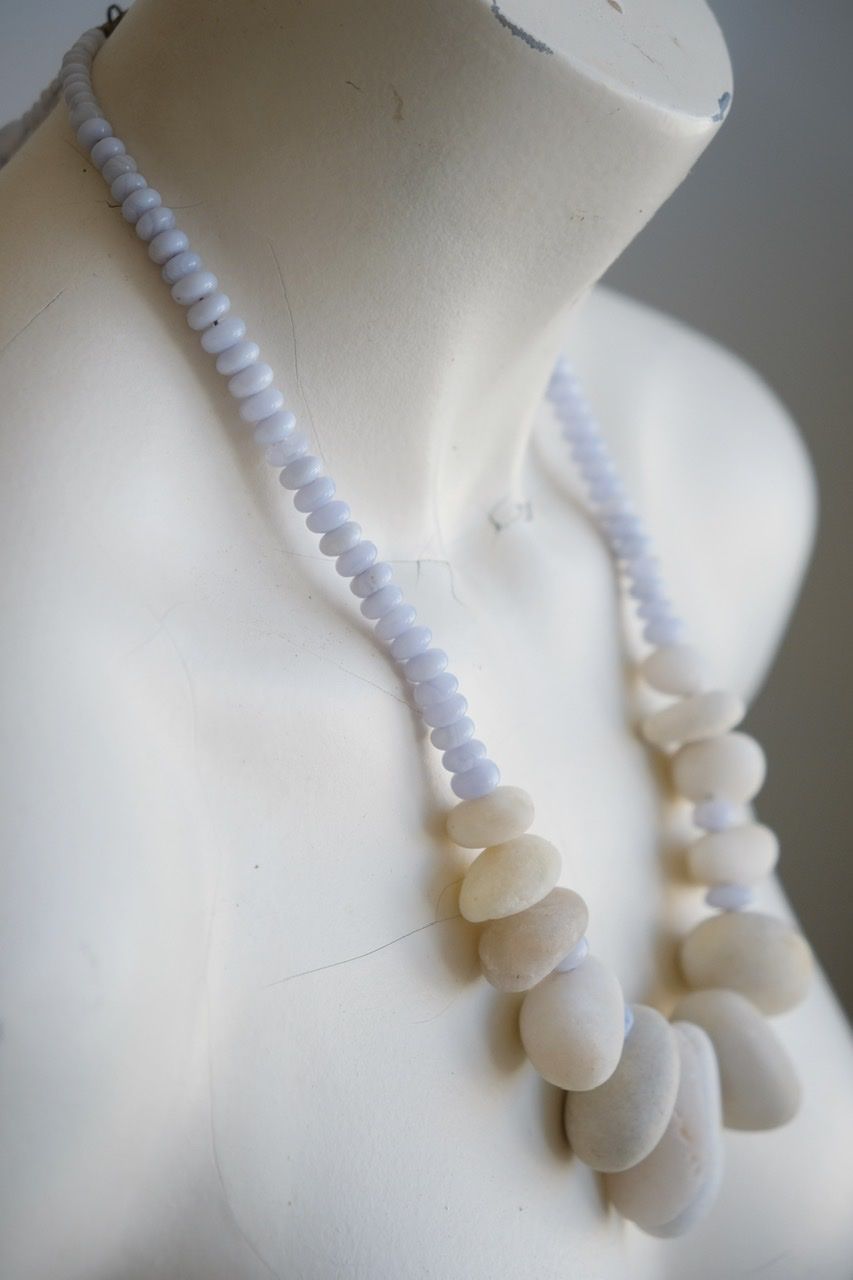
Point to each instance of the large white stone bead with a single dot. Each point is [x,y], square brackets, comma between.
[759,1085]
[616,1125]
[761,957]
[676,668]
[520,950]
[739,855]
[572,1026]
[732,767]
[509,877]
[705,715]
[502,815]
[675,1185]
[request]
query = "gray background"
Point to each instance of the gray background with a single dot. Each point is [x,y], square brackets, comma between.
[753,249]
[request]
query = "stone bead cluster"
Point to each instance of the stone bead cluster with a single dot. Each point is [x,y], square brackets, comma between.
[646,1096]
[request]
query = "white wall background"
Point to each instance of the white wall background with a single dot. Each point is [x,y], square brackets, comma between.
[754,249]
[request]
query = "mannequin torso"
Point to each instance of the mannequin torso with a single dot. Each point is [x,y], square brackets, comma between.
[220,795]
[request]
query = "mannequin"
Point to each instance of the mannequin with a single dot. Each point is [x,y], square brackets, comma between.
[244,1034]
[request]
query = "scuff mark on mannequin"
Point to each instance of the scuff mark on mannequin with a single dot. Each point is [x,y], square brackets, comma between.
[507,512]
[398,105]
[31,320]
[528,39]
[723,104]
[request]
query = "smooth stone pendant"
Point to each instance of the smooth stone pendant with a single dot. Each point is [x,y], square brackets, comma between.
[759,1085]
[705,715]
[572,1026]
[731,767]
[509,877]
[675,1185]
[757,955]
[739,855]
[520,950]
[502,815]
[615,1126]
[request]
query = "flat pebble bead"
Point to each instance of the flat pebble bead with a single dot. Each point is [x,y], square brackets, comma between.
[759,1085]
[732,766]
[425,666]
[505,814]
[253,377]
[678,669]
[325,515]
[183,264]
[193,287]
[201,315]
[458,759]
[572,1026]
[408,643]
[440,714]
[237,358]
[253,408]
[395,622]
[92,130]
[274,428]
[509,877]
[117,165]
[314,495]
[104,150]
[729,897]
[703,715]
[477,781]
[357,560]
[453,735]
[301,472]
[739,855]
[436,690]
[371,578]
[616,1125]
[125,184]
[763,958]
[155,221]
[522,949]
[677,1182]
[344,538]
[138,202]
[381,601]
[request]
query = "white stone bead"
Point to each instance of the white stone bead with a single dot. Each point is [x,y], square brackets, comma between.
[738,855]
[522,949]
[763,958]
[678,669]
[572,1026]
[732,767]
[703,715]
[616,1125]
[678,1180]
[506,813]
[759,1085]
[508,877]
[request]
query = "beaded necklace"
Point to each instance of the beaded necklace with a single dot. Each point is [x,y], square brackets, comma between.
[646,1096]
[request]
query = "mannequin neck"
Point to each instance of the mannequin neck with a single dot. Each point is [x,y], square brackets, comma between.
[408,206]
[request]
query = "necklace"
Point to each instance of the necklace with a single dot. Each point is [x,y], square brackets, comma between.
[646,1096]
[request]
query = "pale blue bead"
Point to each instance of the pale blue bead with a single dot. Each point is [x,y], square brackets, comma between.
[301,472]
[479,780]
[341,539]
[628,546]
[381,601]
[440,714]
[253,408]
[458,759]
[647,589]
[629,1019]
[317,493]
[664,631]
[435,690]
[193,287]
[125,184]
[574,958]
[201,315]
[730,897]
[224,333]
[328,516]
[155,221]
[371,578]
[356,560]
[716,815]
[286,451]
[183,264]
[453,735]
[654,607]
[249,381]
[80,95]
[425,666]
[138,202]
[274,428]
[81,114]
[104,150]
[167,245]
[410,643]
[395,622]
[238,357]
[75,79]
[92,130]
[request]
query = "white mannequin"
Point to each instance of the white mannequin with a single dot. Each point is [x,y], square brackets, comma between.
[214,779]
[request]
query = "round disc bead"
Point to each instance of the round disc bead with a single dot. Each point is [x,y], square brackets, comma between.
[731,767]
[508,877]
[504,815]
[479,780]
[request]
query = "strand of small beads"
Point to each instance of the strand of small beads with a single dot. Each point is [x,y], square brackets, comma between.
[635,1082]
